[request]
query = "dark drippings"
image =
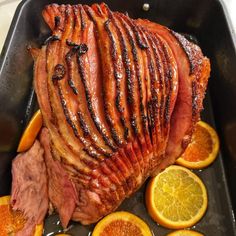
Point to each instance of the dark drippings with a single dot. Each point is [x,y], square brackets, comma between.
[79,48]
[82,49]
[128,72]
[71,44]
[152,108]
[83,125]
[59,72]
[143,45]
[139,40]
[51,38]
[169,83]
[66,112]
[107,140]
[57,21]
[116,66]
[81,70]
[82,18]
[68,58]
[194,99]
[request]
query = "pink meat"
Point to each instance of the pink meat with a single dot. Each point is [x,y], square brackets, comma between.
[29,187]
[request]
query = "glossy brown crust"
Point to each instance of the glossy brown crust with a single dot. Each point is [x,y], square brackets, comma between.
[109,83]
[108,70]
[107,87]
[158,95]
[192,51]
[119,176]
[140,72]
[59,97]
[109,99]
[68,59]
[125,115]
[134,90]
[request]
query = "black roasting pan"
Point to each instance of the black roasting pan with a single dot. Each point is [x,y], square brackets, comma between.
[208,22]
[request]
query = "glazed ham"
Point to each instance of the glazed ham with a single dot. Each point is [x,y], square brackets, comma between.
[119,98]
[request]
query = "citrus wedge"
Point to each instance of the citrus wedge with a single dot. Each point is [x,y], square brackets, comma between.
[30,132]
[176,198]
[202,150]
[121,223]
[184,232]
[13,221]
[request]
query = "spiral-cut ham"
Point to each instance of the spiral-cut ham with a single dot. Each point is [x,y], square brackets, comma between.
[119,98]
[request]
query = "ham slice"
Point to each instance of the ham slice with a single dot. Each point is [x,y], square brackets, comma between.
[60,189]
[193,71]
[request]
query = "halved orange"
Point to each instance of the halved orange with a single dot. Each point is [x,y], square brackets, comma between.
[202,150]
[121,223]
[13,221]
[176,198]
[185,232]
[30,132]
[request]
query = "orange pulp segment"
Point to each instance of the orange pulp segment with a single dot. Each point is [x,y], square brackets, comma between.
[13,221]
[176,198]
[202,150]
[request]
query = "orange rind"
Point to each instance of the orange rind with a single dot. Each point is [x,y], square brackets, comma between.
[202,150]
[30,132]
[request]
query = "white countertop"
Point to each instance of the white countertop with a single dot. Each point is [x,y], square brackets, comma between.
[8,7]
[7,10]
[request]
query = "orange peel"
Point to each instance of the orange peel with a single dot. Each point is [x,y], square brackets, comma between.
[30,132]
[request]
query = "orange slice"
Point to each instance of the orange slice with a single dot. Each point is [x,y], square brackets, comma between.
[176,198]
[30,132]
[13,221]
[185,232]
[63,235]
[121,223]
[202,150]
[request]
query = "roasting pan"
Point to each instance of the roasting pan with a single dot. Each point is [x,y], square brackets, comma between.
[208,23]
